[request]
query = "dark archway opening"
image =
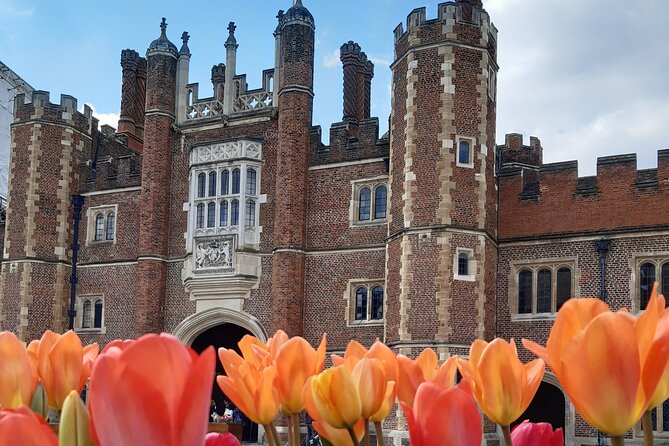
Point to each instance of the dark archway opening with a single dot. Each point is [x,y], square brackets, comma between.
[548,406]
[226,336]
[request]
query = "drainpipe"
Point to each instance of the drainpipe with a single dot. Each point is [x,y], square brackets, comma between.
[603,245]
[77,204]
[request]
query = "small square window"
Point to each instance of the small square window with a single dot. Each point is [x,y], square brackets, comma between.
[101,226]
[90,314]
[464,265]
[365,302]
[369,203]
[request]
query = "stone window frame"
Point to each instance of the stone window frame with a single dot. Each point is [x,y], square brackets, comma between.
[471,267]
[492,83]
[354,210]
[658,259]
[472,144]
[553,264]
[91,216]
[661,429]
[350,297]
[78,320]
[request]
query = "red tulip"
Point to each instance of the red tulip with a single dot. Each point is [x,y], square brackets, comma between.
[155,390]
[443,416]
[536,434]
[23,427]
[216,439]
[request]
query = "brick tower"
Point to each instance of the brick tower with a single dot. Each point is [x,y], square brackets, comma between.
[441,248]
[296,61]
[159,118]
[47,145]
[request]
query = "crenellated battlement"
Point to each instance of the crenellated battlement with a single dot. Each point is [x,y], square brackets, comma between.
[110,163]
[343,147]
[451,18]
[39,106]
[537,198]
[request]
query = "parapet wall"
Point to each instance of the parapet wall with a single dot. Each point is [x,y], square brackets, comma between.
[349,141]
[25,108]
[551,199]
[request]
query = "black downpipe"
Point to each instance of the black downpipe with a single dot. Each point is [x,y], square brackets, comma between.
[77,204]
[603,245]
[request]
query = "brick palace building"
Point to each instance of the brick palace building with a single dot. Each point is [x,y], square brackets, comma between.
[211,214]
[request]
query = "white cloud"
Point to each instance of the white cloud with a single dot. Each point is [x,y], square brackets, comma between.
[380,62]
[105,118]
[331,60]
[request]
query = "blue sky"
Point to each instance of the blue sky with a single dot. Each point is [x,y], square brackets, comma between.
[588,77]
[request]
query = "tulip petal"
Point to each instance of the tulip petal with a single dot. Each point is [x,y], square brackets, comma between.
[16,372]
[370,377]
[66,358]
[191,418]
[22,427]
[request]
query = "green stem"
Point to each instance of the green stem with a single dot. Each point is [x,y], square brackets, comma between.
[618,441]
[366,438]
[269,435]
[354,438]
[506,430]
[378,428]
[647,426]
[296,428]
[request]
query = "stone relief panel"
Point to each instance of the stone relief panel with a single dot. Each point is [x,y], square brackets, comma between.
[214,254]
[226,151]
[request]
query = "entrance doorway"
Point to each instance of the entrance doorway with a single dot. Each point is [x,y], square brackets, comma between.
[547,406]
[226,336]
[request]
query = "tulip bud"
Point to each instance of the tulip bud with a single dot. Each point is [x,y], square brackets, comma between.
[40,402]
[74,423]
[532,434]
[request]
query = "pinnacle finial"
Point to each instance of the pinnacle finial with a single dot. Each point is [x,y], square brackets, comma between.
[232,27]
[297,3]
[163,28]
[185,37]
[231,42]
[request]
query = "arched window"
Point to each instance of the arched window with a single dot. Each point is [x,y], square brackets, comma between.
[463,264]
[377,303]
[97,314]
[201,184]
[212,184]
[525,291]
[364,212]
[380,198]
[224,213]
[99,227]
[647,279]
[234,213]
[665,280]
[111,226]
[563,286]
[225,182]
[251,182]
[200,216]
[464,152]
[235,181]
[86,314]
[250,213]
[361,304]
[211,215]
[544,291]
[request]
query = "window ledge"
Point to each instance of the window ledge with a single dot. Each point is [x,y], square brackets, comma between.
[465,278]
[102,330]
[377,222]
[533,317]
[100,242]
[367,323]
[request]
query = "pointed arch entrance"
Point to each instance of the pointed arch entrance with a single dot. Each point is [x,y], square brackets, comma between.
[221,327]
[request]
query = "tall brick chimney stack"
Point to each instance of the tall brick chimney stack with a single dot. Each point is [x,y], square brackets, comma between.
[162,58]
[133,91]
[295,119]
[358,74]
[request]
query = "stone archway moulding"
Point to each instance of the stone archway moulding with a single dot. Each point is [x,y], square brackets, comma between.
[195,324]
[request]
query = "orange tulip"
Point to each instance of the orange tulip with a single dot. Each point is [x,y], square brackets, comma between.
[16,373]
[662,390]
[386,405]
[356,351]
[295,361]
[608,363]
[63,365]
[154,391]
[502,386]
[251,389]
[22,427]
[337,437]
[335,397]
[411,374]
[369,376]
[443,417]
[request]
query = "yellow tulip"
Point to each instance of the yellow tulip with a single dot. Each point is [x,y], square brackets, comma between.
[64,365]
[335,397]
[412,373]
[16,373]
[251,389]
[336,437]
[296,361]
[608,363]
[501,384]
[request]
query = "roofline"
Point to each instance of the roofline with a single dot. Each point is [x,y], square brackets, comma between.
[14,78]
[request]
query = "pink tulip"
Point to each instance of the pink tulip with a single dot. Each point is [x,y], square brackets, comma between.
[215,439]
[153,391]
[23,427]
[536,434]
